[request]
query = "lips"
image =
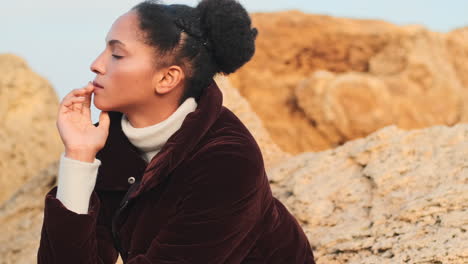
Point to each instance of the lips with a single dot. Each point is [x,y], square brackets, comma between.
[97,85]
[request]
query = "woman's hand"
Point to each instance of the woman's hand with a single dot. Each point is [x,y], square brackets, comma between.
[82,140]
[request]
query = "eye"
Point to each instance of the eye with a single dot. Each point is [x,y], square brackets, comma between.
[117,57]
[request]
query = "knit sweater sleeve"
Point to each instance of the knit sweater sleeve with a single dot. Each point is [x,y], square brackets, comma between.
[76,181]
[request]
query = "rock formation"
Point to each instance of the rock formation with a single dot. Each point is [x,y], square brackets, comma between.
[29,140]
[392,197]
[339,79]
[21,218]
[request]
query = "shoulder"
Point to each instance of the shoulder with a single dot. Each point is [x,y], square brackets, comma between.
[228,137]
[227,151]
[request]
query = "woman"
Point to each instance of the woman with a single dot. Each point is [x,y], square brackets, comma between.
[167,175]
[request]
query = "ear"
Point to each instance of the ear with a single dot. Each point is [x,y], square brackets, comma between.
[167,79]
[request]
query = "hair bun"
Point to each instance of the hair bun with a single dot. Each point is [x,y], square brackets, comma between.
[227,26]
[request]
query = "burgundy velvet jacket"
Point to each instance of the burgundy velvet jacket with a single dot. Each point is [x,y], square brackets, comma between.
[204,198]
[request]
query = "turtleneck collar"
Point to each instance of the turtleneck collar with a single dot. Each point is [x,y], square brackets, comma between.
[150,139]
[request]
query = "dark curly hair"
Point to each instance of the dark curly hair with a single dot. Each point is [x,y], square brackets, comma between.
[218,39]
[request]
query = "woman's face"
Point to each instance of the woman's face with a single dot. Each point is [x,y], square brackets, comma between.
[125,69]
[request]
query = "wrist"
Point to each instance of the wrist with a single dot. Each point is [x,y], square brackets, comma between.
[81,155]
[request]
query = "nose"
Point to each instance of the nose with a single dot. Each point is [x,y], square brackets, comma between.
[97,66]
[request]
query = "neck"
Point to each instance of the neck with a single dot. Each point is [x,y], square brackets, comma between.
[145,117]
[154,111]
[150,139]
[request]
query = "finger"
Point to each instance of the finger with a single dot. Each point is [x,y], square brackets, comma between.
[89,89]
[73,100]
[79,92]
[83,91]
[104,121]
[67,97]
[78,106]
[70,104]
[86,109]
[73,94]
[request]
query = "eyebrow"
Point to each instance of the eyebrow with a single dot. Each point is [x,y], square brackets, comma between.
[113,42]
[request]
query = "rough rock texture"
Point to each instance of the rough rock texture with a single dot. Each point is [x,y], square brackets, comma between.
[415,77]
[392,197]
[29,140]
[21,218]
[457,42]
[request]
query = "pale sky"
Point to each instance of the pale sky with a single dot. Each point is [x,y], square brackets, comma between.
[60,39]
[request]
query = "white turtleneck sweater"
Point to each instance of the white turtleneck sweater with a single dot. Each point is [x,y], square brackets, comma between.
[76,179]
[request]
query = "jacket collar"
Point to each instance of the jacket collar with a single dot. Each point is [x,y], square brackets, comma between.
[122,160]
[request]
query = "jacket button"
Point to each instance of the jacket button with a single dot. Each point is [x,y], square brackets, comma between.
[131,180]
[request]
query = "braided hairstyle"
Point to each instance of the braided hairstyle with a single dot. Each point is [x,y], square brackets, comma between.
[213,37]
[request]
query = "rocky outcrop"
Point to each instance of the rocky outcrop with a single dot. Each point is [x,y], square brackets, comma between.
[457,43]
[392,197]
[21,218]
[318,81]
[29,140]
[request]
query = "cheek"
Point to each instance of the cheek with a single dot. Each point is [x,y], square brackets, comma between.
[131,75]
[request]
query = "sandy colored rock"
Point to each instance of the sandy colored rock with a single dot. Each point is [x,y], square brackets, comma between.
[29,140]
[346,106]
[421,72]
[393,197]
[457,42]
[21,218]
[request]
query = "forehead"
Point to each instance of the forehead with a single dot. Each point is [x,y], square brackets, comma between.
[125,28]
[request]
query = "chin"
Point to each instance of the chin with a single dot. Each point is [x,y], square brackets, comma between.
[103,106]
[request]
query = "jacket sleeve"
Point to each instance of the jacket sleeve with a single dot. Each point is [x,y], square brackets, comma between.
[72,233]
[219,209]
[69,237]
